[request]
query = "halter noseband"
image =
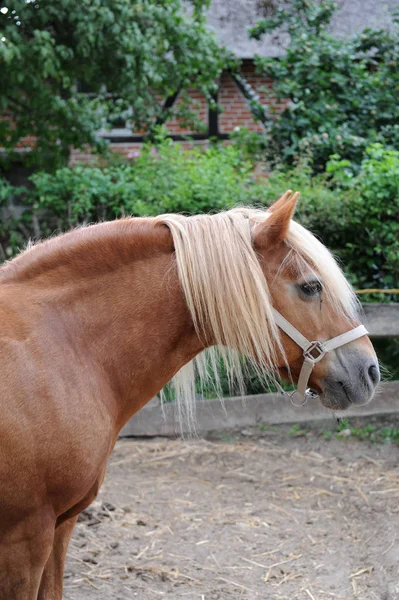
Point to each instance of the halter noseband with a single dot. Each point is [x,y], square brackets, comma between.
[313,352]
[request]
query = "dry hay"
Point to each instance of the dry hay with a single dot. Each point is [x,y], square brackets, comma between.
[265,517]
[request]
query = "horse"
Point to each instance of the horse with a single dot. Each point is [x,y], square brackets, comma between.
[95,322]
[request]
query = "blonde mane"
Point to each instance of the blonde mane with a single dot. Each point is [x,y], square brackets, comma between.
[228,296]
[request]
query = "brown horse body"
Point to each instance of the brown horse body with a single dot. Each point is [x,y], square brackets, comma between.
[93,325]
[87,338]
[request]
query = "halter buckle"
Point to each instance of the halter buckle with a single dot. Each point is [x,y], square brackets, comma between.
[314,352]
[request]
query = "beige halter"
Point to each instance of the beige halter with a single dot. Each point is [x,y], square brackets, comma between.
[313,352]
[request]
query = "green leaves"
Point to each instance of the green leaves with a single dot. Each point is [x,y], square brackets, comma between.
[343,92]
[354,209]
[368,237]
[155,179]
[130,53]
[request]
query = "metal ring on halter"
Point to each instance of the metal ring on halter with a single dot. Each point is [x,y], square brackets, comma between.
[292,395]
[309,395]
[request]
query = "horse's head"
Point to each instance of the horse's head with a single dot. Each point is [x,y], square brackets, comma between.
[251,277]
[309,290]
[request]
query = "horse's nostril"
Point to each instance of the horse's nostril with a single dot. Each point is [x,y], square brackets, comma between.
[374,374]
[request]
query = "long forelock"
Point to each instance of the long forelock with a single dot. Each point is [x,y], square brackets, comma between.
[306,254]
[310,254]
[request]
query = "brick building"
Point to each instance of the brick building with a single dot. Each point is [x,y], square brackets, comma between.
[230,20]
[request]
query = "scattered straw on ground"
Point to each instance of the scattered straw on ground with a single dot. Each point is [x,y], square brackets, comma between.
[262,516]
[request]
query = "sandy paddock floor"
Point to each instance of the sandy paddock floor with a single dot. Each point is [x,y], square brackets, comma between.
[258,514]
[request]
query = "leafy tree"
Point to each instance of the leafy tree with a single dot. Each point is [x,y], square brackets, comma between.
[343,93]
[132,54]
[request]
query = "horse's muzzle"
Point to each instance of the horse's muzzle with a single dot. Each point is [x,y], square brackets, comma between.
[351,383]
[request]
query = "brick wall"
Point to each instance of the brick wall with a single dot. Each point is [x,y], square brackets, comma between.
[235,112]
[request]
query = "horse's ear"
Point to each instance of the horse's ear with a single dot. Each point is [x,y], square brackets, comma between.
[275,228]
[280,202]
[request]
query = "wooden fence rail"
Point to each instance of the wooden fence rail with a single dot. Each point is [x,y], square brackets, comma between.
[381,320]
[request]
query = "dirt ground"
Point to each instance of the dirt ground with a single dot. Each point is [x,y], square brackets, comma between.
[255,514]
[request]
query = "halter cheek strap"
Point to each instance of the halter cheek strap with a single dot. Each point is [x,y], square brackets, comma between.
[313,352]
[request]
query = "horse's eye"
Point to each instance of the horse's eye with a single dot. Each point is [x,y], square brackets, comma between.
[311,288]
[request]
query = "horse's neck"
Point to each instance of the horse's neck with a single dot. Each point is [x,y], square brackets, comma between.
[140,330]
[119,298]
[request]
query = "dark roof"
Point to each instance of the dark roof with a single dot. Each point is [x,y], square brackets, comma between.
[230,19]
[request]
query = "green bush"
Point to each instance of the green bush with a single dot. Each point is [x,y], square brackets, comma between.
[355,214]
[343,93]
[156,180]
[368,236]
[13,233]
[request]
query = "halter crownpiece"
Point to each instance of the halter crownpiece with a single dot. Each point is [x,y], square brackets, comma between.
[313,352]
